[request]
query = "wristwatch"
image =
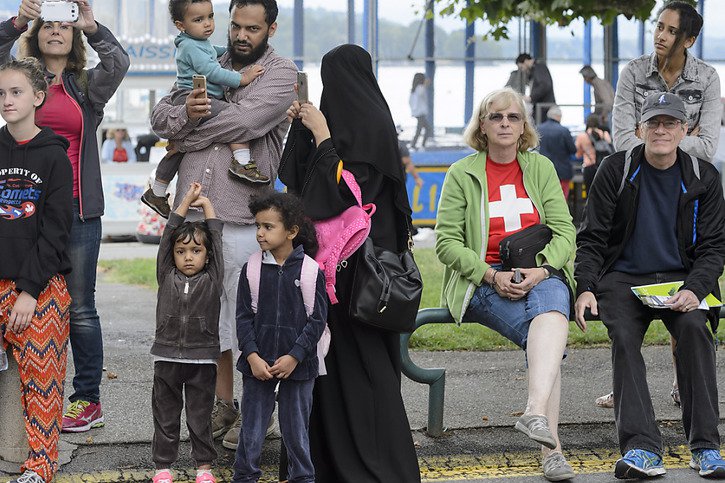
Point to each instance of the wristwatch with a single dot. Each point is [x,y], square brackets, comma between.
[546,271]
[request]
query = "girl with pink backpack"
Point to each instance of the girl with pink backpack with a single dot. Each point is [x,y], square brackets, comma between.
[278,326]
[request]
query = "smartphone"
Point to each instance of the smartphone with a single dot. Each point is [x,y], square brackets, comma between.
[59,11]
[302,93]
[518,278]
[199,82]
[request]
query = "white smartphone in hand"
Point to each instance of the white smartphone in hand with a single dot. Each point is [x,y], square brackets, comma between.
[59,11]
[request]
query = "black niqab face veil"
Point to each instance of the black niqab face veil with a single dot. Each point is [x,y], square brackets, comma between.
[358,116]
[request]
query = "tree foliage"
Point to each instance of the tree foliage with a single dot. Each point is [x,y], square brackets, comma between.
[550,12]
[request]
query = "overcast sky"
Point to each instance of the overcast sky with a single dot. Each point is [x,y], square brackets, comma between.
[406,11]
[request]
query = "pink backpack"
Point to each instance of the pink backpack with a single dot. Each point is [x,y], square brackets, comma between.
[308,286]
[338,237]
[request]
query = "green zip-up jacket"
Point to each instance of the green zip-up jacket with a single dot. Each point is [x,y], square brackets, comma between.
[459,234]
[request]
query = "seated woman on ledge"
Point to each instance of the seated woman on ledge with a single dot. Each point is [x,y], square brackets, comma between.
[501,189]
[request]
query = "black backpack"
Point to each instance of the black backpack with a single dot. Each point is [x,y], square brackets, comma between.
[601,146]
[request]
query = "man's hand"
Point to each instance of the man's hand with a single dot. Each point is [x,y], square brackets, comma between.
[587,300]
[260,368]
[283,367]
[22,313]
[197,105]
[695,132]
[683,301]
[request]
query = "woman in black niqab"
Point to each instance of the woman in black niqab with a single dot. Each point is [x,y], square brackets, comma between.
[359,431]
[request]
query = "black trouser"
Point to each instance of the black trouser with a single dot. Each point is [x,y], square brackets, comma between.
[176,384]
[627,320]
[588,174]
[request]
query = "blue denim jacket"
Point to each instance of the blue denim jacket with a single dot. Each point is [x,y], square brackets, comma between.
[698,86]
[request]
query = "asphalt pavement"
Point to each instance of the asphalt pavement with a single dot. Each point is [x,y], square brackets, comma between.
[485,393]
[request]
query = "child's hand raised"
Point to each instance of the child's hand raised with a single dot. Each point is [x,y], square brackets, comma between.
[193,193]
[189,198]
[200,201]
[205,204]
[283,367]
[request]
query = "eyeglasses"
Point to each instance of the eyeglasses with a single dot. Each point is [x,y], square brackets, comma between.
[512,117]
[669,124]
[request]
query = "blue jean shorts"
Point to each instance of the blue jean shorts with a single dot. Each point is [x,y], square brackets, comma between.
[512,318]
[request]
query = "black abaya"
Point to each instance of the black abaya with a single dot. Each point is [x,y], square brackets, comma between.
[359,430]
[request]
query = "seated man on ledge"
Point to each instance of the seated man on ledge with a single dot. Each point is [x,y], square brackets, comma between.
[656,217]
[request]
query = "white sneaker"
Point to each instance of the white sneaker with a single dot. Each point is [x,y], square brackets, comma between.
[28,476]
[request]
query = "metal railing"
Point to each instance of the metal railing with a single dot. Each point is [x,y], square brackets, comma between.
[435,378]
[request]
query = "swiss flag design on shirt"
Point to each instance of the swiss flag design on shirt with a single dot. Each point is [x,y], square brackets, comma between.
[509,207]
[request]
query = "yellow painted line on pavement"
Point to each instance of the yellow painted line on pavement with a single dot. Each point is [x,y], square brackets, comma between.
[464,467]
[432,469]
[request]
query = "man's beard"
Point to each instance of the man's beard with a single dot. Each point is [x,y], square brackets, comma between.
[251,57]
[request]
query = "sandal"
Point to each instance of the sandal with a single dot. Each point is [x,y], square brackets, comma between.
[606,401]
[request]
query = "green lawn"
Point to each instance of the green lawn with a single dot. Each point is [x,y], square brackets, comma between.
[141,271]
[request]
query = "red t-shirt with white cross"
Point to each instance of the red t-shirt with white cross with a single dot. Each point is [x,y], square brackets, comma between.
[509,207]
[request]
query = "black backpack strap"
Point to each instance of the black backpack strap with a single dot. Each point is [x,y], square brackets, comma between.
[627,164]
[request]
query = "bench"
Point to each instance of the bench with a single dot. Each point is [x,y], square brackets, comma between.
[435,377]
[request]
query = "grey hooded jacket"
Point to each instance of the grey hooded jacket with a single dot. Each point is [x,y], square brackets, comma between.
[699,88]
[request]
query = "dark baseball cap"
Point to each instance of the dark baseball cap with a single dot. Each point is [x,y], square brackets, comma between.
[663,104]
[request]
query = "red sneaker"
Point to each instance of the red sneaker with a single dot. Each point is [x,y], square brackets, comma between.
[163,477]
[82,416]
[205,477]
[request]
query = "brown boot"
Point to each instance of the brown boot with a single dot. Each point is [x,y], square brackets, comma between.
[247,172]
[223,416]
[160,204]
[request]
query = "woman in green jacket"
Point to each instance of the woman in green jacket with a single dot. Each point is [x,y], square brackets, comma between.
[501,189]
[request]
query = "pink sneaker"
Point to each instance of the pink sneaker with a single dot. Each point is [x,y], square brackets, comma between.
[82,416]
[205,478]
[163,477]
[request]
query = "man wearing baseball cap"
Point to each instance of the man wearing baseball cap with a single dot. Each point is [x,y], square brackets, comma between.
[655,214]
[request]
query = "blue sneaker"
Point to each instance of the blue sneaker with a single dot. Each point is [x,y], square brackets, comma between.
[708,463]
[639,463]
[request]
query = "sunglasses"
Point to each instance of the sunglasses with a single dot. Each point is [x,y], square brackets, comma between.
[513,117]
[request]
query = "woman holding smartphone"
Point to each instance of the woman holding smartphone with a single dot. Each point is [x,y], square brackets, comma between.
[74,109]
[359,431]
